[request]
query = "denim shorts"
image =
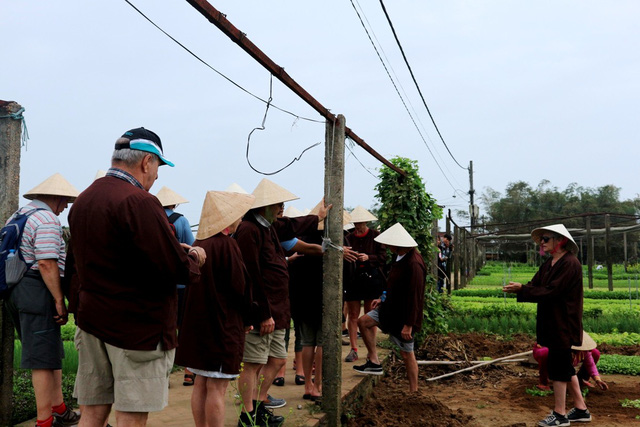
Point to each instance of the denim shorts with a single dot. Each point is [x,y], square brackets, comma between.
[32,309]
[407,347]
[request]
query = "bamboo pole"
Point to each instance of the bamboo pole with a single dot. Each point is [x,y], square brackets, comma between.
[460,362]
[488,362]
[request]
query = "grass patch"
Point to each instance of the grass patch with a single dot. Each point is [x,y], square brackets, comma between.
[24,402]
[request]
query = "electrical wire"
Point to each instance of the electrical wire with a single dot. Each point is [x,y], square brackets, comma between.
[384,54]
[384,9]
[218,72]
[401,98]
[263,127]
[356,157]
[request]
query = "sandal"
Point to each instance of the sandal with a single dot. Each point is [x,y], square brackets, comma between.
[300,380]
[279,381]
[188,379]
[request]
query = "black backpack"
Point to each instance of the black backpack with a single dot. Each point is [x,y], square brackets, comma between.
[172,219]
[12,268]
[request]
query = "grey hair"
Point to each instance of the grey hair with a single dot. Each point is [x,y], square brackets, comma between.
[128,156]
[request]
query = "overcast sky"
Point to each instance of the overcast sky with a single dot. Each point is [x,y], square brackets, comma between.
[526,90]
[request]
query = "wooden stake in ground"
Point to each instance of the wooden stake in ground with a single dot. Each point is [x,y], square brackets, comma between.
[332,273]
[488,362]
[10,136]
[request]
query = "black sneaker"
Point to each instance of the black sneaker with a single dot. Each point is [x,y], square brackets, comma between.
[369,368]
[260,417]
[579,415]
[67,418]
[265,417]
[345,332]
[555,419]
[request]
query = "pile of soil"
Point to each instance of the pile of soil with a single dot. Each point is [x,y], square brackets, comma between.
[495,395]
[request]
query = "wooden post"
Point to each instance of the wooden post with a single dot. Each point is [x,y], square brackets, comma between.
[451,255]
[607,249]
[332,273]
[590,256]
[456,257]
[434,259]
[624,240]
[10,135]
[463,258]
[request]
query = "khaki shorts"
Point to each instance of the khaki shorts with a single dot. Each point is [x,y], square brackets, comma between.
[258,349]
[131,380]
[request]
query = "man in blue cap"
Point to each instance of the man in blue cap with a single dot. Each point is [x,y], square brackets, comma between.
[128,262]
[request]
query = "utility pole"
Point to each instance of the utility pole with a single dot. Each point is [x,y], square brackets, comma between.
[332,273]
[10,136]
[472,207]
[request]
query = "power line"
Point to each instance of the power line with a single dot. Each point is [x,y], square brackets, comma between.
[356,157]
[384,54]
[416,83]
[401,98]
[263,127]
[218,72]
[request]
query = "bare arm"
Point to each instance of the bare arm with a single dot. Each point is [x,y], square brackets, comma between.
[307,248]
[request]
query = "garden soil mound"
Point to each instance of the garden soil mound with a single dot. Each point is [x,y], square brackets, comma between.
[494,395]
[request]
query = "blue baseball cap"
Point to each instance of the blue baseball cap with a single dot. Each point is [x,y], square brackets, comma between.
[144,140]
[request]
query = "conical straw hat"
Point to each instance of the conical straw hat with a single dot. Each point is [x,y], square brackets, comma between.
[360,214]
[396,235]
[168,197]
[292,212]
[559,229]
[55,185]
[587,343]
[346,220]
[220,210]
[235,188]
[269,193]
[100,174]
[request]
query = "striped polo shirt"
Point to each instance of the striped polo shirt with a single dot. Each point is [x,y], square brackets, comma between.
[42,236]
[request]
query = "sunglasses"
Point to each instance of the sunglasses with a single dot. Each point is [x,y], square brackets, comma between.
[546,238]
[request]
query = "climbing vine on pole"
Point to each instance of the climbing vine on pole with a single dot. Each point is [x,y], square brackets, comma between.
[404,199]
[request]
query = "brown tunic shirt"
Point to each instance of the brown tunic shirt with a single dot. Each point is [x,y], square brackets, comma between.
[128,262]
[212,334]
[558,291]
[267,266]
[405,295]
[366,244]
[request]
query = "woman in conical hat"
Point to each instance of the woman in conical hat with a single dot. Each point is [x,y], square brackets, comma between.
[211,339]
[585,355]
[557,289]
[367,281]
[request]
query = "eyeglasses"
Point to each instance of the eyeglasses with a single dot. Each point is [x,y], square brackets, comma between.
[546,238]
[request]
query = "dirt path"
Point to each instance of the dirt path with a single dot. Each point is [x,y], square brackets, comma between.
[493,396]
